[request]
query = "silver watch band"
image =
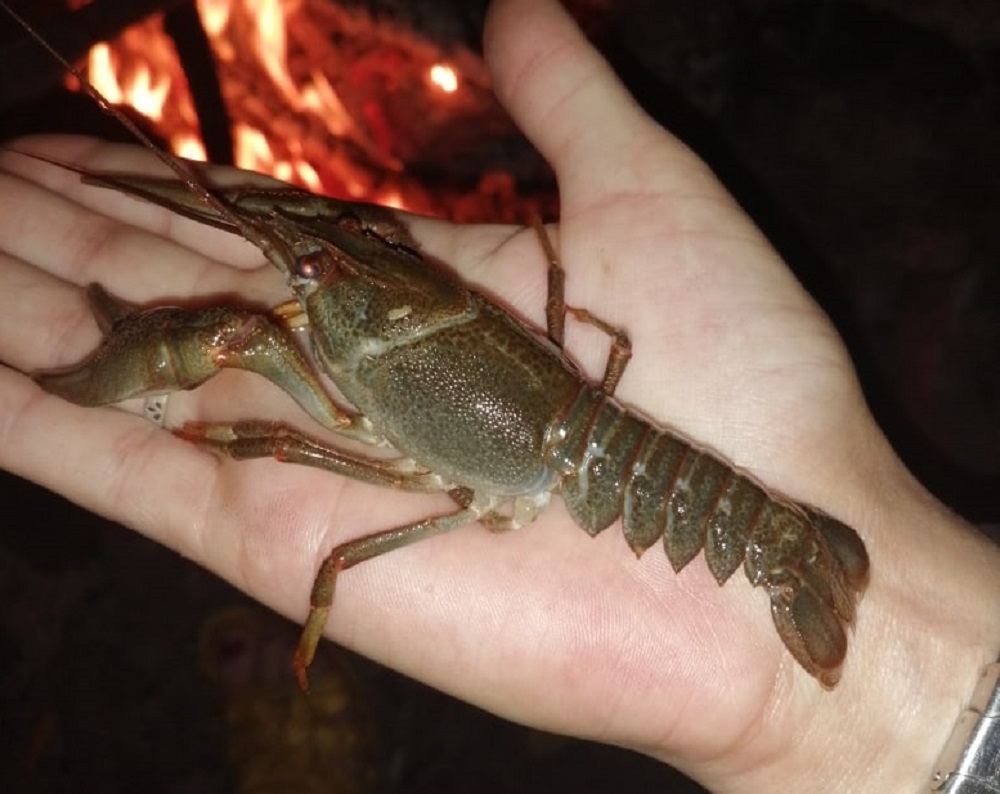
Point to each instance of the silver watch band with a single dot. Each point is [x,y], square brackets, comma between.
[970,762]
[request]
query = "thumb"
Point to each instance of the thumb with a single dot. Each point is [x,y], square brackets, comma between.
[570,104]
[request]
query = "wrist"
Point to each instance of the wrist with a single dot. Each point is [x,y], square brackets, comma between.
[971,758]
[939,629]
[929,623]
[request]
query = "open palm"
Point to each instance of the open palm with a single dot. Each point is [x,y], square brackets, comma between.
[542,625]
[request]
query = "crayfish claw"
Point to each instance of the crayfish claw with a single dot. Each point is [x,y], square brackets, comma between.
[108,310]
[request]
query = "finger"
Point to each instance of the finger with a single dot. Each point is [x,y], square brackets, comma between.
[101,459]
[75,244]
[95,155]
[569,102]
[44,321]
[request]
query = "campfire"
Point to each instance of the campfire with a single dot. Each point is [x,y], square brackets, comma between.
[336,100]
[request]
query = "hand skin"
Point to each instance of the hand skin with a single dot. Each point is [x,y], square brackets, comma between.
[543,625]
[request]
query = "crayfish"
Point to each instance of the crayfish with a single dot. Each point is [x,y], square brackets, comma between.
[477,404]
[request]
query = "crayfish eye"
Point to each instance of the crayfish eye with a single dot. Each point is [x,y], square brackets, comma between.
[309,267]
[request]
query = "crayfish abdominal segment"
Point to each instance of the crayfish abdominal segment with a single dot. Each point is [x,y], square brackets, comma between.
[478,406]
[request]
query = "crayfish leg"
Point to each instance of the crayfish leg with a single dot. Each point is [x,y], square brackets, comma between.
[349,554]
[261,439]
[556,311]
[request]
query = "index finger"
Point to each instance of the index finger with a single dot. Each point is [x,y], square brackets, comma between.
[92,154]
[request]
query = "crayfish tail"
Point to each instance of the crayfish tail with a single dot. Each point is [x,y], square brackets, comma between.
[814,569]
[810,631]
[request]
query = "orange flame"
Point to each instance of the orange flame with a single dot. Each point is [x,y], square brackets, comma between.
[142,71]
[214,16]
[290,119]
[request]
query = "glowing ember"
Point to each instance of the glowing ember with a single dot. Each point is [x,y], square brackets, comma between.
[444,77]
[189,147]
[307,175]
[391,198]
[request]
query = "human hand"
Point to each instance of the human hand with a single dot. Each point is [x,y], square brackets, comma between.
[543,625]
